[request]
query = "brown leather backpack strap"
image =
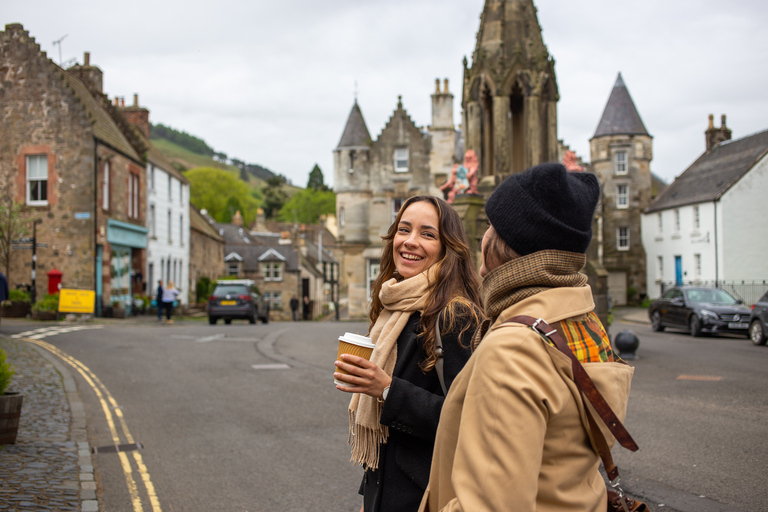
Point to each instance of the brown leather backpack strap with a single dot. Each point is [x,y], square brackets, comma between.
[583,381]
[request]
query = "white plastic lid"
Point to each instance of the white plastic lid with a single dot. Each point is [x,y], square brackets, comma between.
[356,339]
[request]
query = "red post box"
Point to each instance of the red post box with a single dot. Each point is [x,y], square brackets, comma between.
[54,280]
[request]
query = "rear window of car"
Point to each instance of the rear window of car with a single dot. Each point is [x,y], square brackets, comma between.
[230,289]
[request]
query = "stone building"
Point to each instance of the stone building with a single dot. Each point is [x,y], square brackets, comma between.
[206,250]
[620,152]
[74,163]
[374,178]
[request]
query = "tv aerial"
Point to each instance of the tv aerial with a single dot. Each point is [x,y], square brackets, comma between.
[58,42]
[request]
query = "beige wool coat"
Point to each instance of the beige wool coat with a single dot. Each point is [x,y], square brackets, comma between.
[513,432]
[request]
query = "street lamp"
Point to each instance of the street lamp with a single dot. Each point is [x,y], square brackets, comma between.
[331,276]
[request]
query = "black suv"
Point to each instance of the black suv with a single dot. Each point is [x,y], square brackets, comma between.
[758,321]
[237,299]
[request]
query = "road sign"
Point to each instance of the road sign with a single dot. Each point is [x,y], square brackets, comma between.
[76,301]
[27,240]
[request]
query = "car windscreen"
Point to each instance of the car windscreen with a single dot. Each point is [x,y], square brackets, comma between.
[711,296]
[230,289]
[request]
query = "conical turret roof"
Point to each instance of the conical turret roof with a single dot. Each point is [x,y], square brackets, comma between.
[620,116]
[355,132]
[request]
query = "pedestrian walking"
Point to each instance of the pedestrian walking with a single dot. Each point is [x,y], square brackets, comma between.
[4,294]
[424,311]
[169,297]
[159,300]
[513,433]
[295,308]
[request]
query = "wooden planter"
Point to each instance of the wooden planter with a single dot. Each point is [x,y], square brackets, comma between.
[15,310]
[10,412]
[44,315]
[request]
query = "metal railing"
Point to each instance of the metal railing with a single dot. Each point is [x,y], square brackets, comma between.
[748,291]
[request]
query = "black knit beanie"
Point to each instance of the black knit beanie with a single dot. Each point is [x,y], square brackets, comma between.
[545,207]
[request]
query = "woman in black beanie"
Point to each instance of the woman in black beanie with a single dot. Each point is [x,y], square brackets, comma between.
[512,432]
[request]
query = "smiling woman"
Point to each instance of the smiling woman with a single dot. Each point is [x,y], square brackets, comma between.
[427,286]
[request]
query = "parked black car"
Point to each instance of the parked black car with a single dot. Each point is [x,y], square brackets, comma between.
[758,321]
[699,310]
[237,299]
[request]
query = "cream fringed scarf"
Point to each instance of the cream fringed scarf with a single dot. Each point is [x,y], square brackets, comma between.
[400,300]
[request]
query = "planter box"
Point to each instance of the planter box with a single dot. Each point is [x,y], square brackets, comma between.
[10,412]
[15,310]
[44,315]
[118,312]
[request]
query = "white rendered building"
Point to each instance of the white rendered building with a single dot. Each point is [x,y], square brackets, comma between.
[709,226]
[168,223]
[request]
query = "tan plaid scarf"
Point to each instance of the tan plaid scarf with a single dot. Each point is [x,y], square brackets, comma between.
[525,276]
[400,300]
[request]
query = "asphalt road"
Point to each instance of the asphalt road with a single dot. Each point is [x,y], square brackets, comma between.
[246,418]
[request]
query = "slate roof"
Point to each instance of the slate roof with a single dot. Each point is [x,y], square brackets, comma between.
[620,116]
[158,159]
[104,126]
[251,255]
[713,173]
[200,224]
[355,132]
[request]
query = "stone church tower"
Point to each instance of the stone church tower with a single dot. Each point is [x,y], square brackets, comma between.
[510,93]
[620,152]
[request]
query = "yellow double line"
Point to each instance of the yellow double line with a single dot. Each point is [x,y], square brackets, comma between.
[108,405]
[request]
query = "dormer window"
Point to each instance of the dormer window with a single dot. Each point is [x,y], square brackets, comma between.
[401,159]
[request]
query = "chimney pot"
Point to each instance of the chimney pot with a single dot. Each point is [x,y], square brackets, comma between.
[136,100]
[711,120]
[87,59]
[117,101]
[445,86]
[437,86]
[722,121]
[122,102]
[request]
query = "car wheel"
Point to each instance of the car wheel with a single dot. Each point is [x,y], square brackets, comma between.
[212,320]
[265,318]
[227,321]
[252,319]
[656,321]
[756,333]
[695,325]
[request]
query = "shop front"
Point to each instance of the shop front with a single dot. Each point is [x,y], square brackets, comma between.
[127,246]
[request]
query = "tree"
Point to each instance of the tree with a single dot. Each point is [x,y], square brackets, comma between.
[306,206]
[316,180]
[274,196]
[221,192]
[12,226]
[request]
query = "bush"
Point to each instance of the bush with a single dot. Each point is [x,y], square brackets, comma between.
[203,289]
[6,372]
[19,296]
[49,303]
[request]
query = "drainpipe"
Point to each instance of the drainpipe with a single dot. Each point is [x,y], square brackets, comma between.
[97,302]
[717,264]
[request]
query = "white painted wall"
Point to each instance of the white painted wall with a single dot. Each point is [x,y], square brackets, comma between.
[745,226]
[668,241]
[168,194]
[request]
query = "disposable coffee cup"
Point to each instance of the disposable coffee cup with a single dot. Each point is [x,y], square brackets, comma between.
[356,345]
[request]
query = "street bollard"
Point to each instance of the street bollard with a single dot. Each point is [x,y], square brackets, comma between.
[626,342]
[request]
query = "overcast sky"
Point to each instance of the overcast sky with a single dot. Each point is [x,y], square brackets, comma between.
[272,81]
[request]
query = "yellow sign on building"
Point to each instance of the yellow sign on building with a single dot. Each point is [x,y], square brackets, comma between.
[76,301]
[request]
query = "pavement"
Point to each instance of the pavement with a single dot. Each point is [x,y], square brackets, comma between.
[50,467]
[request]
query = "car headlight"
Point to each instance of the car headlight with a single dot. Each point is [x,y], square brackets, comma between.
[708,315]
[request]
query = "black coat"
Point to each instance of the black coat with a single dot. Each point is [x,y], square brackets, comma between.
[411,412]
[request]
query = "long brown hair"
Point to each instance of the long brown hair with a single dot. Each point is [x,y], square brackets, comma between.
[456,288]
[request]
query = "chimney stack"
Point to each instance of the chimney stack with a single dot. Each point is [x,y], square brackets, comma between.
[136,115]
[715,136]
[91,76]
